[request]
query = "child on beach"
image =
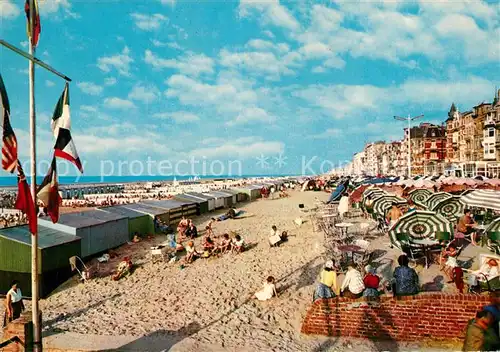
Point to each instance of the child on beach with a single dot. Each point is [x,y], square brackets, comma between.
[192,254]
[238,244]
[208,228]
[225,244]
[268,290]
[208,246]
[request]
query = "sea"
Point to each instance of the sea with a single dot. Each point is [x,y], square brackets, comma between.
[11,181]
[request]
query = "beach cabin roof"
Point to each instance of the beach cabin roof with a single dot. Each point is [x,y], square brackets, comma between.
[201,195]
[46,237]
[189,197]
[87,218]
[165,204]
[124,211]
[146,209]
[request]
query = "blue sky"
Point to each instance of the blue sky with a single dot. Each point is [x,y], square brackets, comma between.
[183,80]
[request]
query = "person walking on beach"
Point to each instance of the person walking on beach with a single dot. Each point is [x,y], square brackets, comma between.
[14,305]
[394,214]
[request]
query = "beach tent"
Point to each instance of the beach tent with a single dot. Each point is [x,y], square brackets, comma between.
[227,197]
[202,204]
[452,208]
[99,230]
[220,200]
[176,209]
[54,250]
[252,191]
[137,221]
[484,198]
[209,199]
[153,212]
[419,224]
[240,196]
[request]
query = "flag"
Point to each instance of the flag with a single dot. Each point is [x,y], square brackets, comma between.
[34,35]
[48,192]
[9,141]
[24,200]
[61,124]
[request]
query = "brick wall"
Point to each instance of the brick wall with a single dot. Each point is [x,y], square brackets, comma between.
[433,316]
[22,328]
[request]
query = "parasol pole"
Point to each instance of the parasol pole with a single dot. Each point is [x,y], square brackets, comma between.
[34,236]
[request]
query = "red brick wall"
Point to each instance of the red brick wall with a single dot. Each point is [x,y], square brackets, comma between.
[22,328]
[433,316]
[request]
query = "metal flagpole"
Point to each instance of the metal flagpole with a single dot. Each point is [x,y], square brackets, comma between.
[34,236]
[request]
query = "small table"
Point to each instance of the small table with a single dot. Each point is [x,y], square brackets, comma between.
[425,243]
[343,226]
[349,248]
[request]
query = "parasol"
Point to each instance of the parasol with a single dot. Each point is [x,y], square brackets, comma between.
[435,198]
[451,208]
[483,198]
[383,203]
[419,195]
[420,224]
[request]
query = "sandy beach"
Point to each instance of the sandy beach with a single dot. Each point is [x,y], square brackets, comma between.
[208,304]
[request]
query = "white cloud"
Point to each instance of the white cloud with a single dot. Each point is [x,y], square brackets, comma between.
[252,115]
[8,10]
[54,6]
[120,62]
[88,108]
[110,81]
[24,43]
[118,103]
[189,64]
[271,12]
[49,83]
[242,148]
[148,22]
[328,133]
[146,94]
[178,116]
[90,88]
[269,34]
[168,2]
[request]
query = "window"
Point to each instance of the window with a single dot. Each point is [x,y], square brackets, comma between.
[491,132]
[492,148]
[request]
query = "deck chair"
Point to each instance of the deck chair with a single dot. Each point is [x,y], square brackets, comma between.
[493,242]
[478,282]
[76,263]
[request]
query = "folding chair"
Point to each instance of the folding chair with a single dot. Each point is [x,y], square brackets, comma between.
[412,250]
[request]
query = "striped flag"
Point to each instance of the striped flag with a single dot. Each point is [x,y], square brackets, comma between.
[35,34]
[9,141]
[48,192]
[61,123]
[24,200]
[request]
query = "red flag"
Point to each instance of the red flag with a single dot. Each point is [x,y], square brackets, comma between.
[35,34]
[48,192]
[24,200]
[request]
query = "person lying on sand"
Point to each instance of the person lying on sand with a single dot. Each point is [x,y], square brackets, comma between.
[192,254]
[268,290]
[238,244]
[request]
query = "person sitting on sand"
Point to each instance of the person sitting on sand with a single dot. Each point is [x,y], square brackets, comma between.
[181,228]
[208,244]
[225,244]
[192,231]
[274,237]
[268,290]
[238,244]
[123,269]
[231,214]
[192,254]
[327,286]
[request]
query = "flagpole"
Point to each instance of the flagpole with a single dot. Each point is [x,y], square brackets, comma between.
[34,236]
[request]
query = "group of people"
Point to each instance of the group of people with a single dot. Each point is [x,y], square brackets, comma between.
[211,247]
[10,219]
[405,281]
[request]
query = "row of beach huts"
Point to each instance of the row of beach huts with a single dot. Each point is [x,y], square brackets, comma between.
[90,233]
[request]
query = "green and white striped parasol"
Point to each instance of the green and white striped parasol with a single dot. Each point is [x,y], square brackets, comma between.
[419,224]
[494,226]
[372,193]
[383,203]
[452,208]
[419,196]
[435,198]
[483,198]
